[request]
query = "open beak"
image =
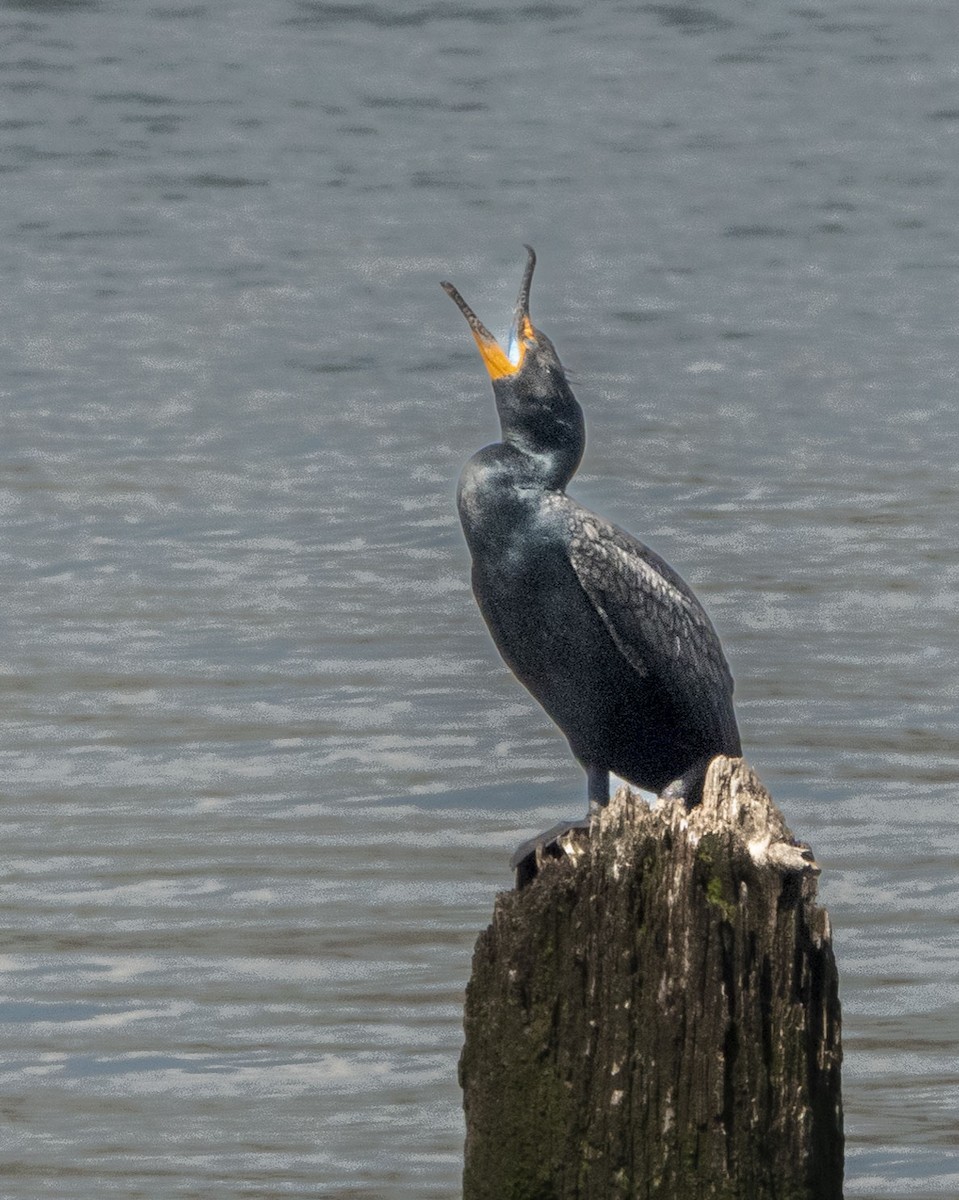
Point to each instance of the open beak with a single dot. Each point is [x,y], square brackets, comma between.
[499,362]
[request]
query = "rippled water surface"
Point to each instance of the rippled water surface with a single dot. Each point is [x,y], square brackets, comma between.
[261,767]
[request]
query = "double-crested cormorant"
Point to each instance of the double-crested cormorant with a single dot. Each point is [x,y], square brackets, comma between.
[606,636]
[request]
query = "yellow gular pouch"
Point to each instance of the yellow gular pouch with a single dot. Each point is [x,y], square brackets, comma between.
[498,363]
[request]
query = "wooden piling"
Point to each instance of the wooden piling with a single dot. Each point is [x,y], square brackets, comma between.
[655,1014]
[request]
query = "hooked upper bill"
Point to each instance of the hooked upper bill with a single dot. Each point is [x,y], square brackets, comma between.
[499,362]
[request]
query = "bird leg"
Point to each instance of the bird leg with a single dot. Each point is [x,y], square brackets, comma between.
[597,788]
[689,786]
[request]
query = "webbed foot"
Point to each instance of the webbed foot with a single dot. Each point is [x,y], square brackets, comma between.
[565,840]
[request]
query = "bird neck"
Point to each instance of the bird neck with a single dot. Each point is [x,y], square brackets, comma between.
[553,465]
[549,432]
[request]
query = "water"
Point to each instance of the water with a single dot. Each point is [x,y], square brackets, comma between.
[262,770]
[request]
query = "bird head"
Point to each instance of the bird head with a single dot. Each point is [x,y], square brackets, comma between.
[537,409]
[529,363]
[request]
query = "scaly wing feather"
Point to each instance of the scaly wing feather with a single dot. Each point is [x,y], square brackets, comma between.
[655,621]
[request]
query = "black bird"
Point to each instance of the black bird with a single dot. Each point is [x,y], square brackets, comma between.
[604,633]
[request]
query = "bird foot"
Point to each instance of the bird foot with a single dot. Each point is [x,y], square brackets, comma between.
[566,840]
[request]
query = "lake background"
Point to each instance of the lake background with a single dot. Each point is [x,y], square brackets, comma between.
[262,770]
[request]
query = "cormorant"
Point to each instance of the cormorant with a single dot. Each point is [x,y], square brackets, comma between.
[604,633]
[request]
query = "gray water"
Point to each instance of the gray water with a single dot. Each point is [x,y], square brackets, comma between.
[262,769]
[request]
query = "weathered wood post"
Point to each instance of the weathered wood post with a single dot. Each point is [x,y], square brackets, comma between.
[656,1014]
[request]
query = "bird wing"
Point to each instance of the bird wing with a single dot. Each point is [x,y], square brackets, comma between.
[655,621]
